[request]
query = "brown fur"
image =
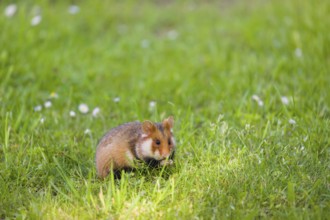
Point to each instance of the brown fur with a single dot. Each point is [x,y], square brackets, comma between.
[112,150]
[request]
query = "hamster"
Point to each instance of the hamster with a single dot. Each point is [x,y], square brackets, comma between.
[152,143]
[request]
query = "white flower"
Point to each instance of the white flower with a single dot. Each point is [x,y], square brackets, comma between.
[10,10]
[258,100]
[145,43]
[48,104]
[42,120]
[117,99]
[53,95]
[96,111]
[83,108]
[73,9]
[36,20]
[305,138]
[285,100]
[152,104]
[72,114]
[298,52]
[38,108]
[255,98]
[292,122]
[172,35]
[87,131]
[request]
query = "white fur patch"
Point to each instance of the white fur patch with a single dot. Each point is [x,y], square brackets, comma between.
[166,162]
[145,148]
[144,135]
[157,155]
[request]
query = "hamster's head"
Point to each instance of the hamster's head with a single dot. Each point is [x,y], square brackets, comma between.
[157,141]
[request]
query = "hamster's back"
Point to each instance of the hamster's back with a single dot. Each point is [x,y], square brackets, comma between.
[123,132]
[115,146]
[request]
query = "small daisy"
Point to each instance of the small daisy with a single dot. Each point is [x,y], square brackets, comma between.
[72,114]
[83,108]
[73,9]
[292,122]
[285,100]
[96,111]
[87,131]
[53,95]
[38,108]
[36,20]
[258,100]
[298,52]
[152,104]
[255,97]
[10,10]
[117,99]
[48,104]
[42,120]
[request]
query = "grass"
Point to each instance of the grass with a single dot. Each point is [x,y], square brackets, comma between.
[199,61]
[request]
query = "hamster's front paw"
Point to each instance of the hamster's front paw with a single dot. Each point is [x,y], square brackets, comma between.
[166,162]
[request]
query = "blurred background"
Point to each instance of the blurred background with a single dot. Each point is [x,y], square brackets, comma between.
[204,55]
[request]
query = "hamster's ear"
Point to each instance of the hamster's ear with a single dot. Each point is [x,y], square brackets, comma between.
[168,123]
[148,127]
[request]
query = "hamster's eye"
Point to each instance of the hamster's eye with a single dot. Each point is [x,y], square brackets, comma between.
[157,142]
[169,141]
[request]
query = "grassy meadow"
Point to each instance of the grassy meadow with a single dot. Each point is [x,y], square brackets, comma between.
[246,81]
